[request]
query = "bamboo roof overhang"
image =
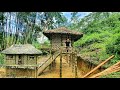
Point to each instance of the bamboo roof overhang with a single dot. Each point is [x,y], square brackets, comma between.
[63,31]
[21,49]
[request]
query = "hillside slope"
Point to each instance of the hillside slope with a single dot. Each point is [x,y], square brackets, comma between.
[101,37]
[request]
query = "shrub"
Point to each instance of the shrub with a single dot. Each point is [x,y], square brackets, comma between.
[114,46]
[88,39]
[1,59]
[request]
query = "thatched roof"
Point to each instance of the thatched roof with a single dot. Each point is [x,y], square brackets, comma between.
[21,49]
[62,30]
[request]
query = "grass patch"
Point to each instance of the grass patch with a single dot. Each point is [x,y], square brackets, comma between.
[1,59]
[112,75]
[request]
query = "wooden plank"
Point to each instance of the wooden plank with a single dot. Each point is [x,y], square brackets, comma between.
[111,69]
[98,66]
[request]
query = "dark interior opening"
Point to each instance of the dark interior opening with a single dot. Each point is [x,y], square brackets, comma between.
[19,59]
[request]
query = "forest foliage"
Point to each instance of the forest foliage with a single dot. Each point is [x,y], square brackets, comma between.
[101,35]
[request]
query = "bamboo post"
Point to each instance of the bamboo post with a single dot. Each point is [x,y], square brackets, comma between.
[76,66]
[52,62]
[69,60]
[50,67]
[9,71]
[51,58]
[36,67]
[15,72]
[27,72]
[72,62]
[60,64]
[98,66]
[35,72]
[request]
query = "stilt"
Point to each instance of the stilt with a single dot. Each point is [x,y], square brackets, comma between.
[54,64]
[15,72]
[60,65]
[69,60]
[73,59]
[50,66]
[35,72]
[27,72]
[9,71]
[76,66]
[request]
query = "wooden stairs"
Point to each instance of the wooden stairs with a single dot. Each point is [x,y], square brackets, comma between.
[43,65]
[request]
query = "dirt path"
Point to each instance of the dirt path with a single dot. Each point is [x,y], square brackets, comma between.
[66,71]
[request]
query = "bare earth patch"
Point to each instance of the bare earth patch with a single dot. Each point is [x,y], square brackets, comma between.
[54,73]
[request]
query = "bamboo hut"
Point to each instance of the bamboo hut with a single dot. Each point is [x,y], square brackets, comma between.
[62,40]
[21,60]
[59,36]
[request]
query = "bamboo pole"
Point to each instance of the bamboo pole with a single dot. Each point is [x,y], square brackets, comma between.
[98,66]
[76,66]
[35,68]
[69,60]
[73,62]
[111,69]
[60,64]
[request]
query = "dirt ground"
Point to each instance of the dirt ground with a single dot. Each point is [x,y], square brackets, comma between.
[54,73]
[2,72]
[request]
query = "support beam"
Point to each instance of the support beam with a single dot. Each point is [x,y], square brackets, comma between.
[50,66]
[72,62]
[69,59]
[60,65]
[76,66]
[35,72]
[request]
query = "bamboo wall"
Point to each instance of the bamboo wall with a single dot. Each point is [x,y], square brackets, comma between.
[56,42]
[59,40]
[18,72]
[26,60]
[10,59]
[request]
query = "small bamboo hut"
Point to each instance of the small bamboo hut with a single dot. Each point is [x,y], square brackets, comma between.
[62,40]
[59,36]
[21,60]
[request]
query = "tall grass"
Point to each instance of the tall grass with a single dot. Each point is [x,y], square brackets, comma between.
[1,59]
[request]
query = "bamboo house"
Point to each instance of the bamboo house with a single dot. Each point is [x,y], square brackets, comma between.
[58,37]
[21,60]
